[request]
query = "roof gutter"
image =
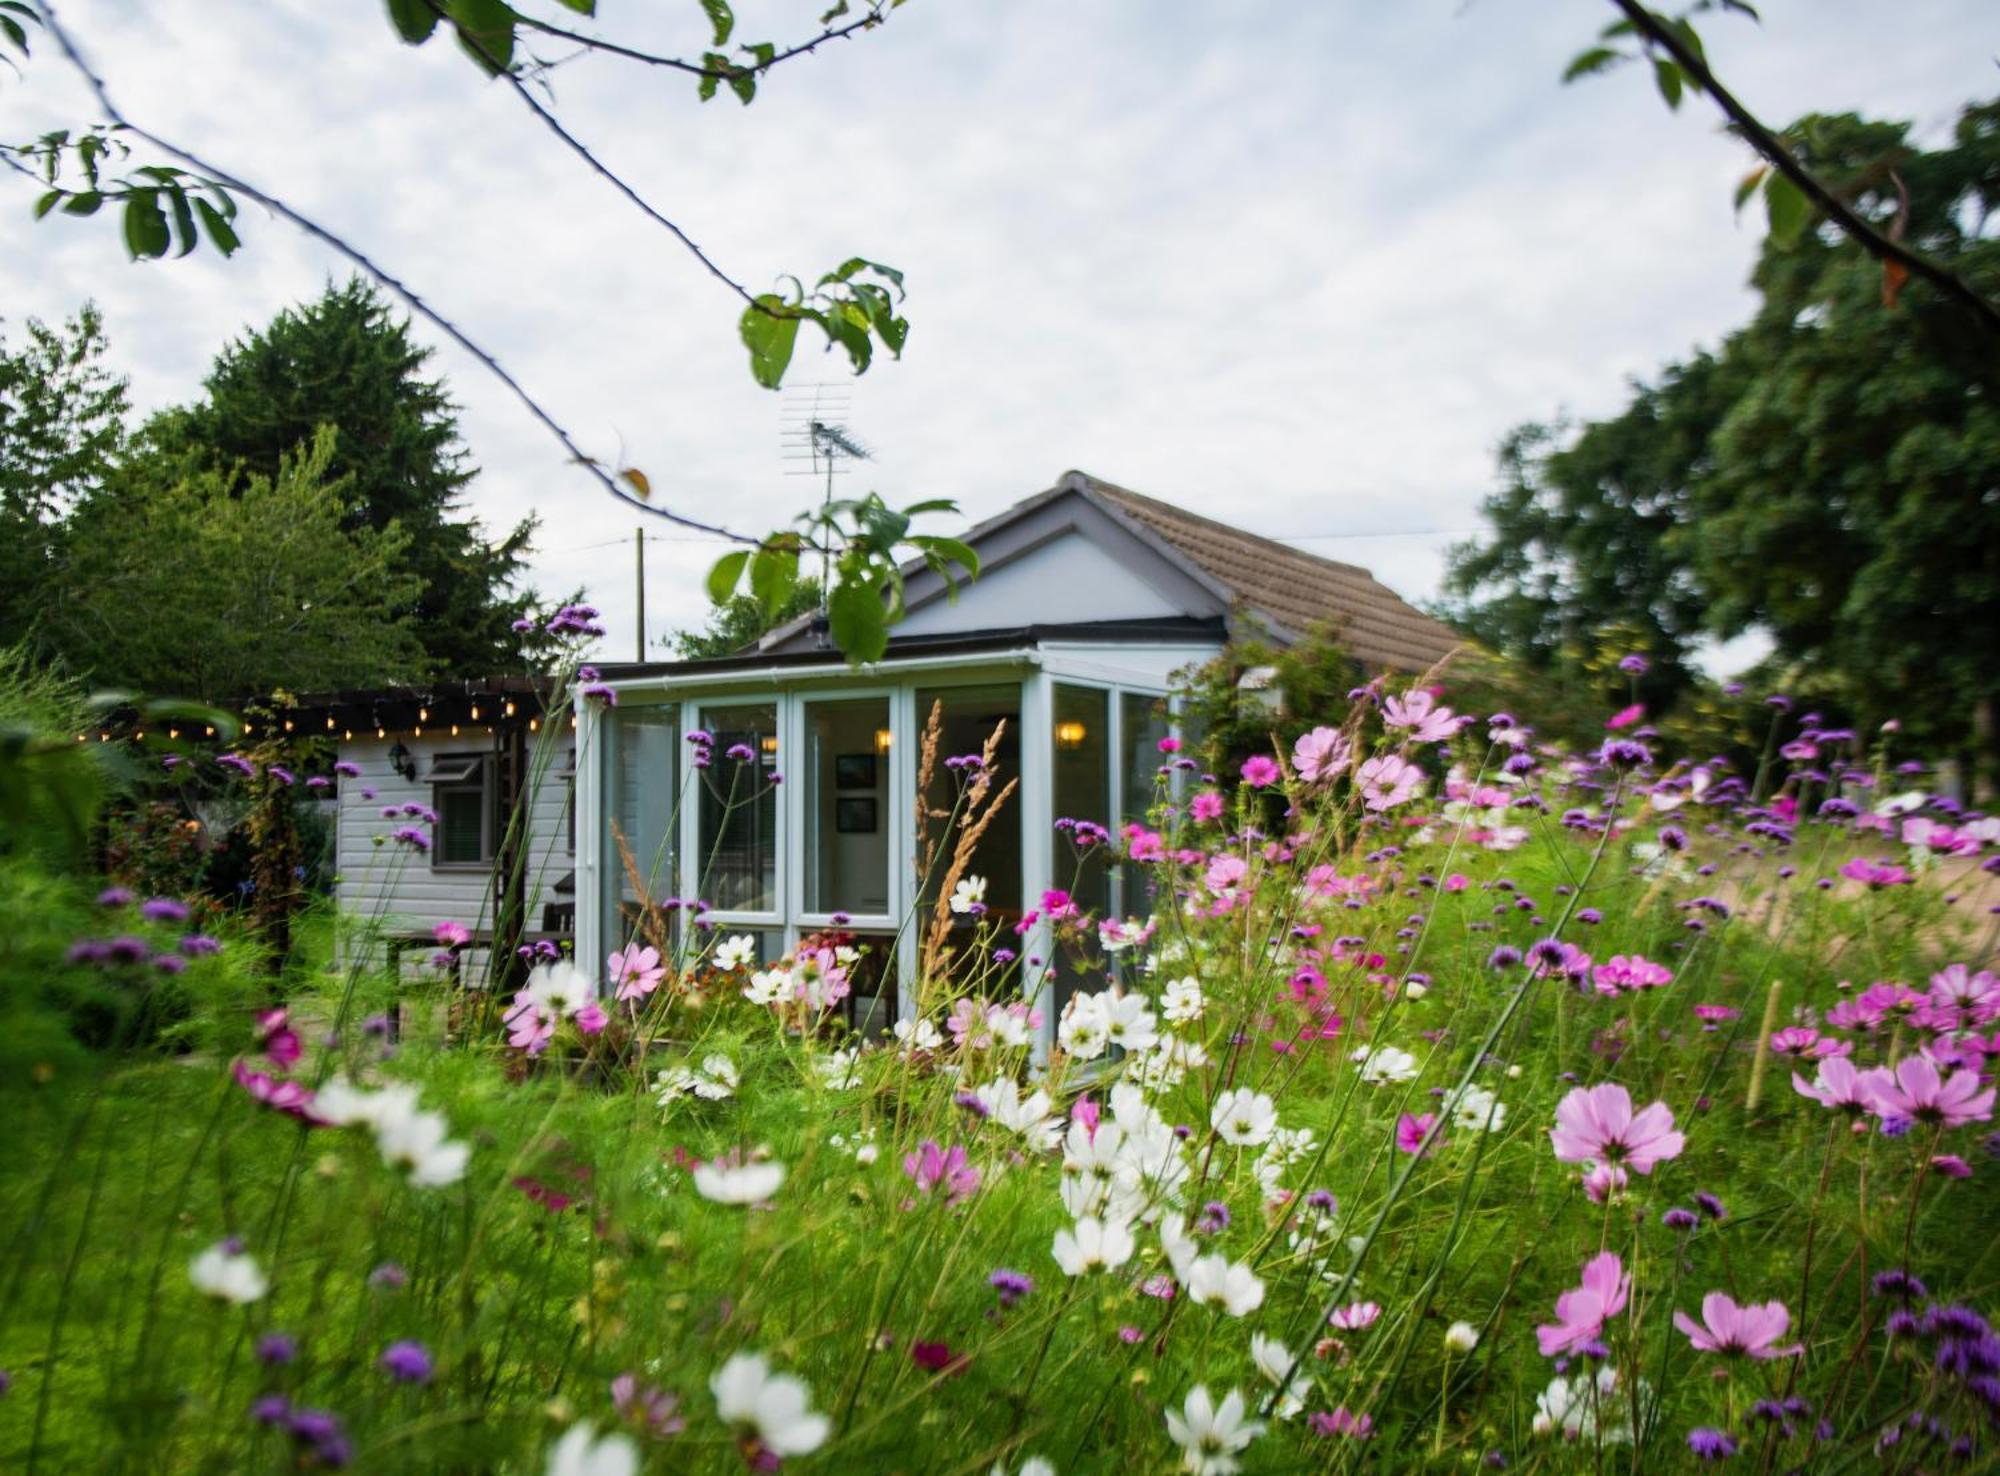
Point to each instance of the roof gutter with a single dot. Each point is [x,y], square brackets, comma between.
[868,672]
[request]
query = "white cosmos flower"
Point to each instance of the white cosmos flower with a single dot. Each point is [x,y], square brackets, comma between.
[1129,1021]
[1571,1407]
[1032,1466]
[1243,1117]
[1461,1337]
[735,952]
[1384,1065]
[1182,1000]
[919,1035]
[417,1143]
[1211,1435]
[968,894]
[1275,1362]
[775,1407]
[228,1273]
[1085,1028]
[1233,1287]
[767,986]
[714,1080]
[739,1183]
[1179,1245]
[560,987]
[1479,1110]
[583,1452]
[1032,1116]
[840,1069]
[1092,1245]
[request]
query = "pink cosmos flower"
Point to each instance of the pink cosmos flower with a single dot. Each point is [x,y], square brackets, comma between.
[1355,1315]
[1604,1181]
[931,1166]
[1582,1311]
[1260,769]
[1417,1134]
[1417,710]
[1387,781]
[279,1040]
[1917,1092]
[590,1017]
[1224,873]
[1340,1422]
[1206,805]
[452,934]
[290,1097]
[1597,1125]
[1874,874]
[1633,972]
[1731,1330]
[635,971]
[1626,716]
[530,1024]
[1838,1085]
[1321,754]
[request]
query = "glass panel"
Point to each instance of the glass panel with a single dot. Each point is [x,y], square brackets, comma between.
[969,716]
[641,778]
[847,806]
[738,858]
[1082,790]
[1143,722]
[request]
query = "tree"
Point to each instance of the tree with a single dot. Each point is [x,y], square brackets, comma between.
[1827,475]
[348,362]
[62,424]
[1582,545]
[741,619]
[213,586]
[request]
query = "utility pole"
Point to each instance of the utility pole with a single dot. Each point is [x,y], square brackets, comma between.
[639,560]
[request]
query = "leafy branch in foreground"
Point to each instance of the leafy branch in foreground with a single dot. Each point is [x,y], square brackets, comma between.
[1792,192]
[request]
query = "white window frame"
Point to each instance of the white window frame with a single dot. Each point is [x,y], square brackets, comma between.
[483,768]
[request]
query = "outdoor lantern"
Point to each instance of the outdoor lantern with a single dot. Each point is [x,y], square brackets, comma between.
[882,740]
[403,762]
[1071,734]
[769,743]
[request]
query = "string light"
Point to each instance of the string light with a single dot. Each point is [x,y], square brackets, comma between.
[423,714]
[534,725]
[416,732]
[510,709]
[288,725]
[454,730]
[329,722]
[475,712]
[347,735]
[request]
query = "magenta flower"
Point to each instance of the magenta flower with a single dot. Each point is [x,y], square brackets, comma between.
[1732,1331]
[1321,754]
[1355,1316]
[635,971]
[1206,805]
[1917,1092]
[452,934]
[1582,1311]
[1417,1134]
[1632,972]
[1597,1125]
[1387,781]
[1417,710]
[931,1166]
[1259,770]
[1874,874]
[1837,1085]
[1626,716]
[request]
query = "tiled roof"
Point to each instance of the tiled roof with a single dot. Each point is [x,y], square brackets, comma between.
[1290,589]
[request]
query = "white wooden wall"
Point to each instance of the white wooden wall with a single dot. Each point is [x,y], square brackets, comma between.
[398,889]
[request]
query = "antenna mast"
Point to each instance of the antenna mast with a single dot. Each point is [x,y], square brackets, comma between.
[816,442]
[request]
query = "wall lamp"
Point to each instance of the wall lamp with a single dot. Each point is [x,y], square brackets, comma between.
[403,762]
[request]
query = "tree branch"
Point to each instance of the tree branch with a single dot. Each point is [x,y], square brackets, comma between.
[873,18]
[402,291]
[1766,143]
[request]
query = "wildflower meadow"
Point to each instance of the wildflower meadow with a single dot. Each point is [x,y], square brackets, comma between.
[1462,1102]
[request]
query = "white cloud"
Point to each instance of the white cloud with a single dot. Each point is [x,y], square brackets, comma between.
[1296,266]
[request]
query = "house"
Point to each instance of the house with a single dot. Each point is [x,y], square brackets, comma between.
[793,810]
[465,753]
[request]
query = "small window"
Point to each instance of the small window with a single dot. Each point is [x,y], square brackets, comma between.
[462,795]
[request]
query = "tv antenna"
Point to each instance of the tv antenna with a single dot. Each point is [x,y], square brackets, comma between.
[816,441]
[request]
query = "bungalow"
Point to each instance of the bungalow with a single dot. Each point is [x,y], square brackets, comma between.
[779,785]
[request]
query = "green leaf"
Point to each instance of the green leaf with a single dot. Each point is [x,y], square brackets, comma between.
[1747,186]
[485,32]
[1787,209]
[723,576]
[761,53]
[829,17]
[774,573]
[14,32]
[220,231]
[146,233]
[770,332]
[857,619]
[721,17]
[743,82]
[184,229]
[847,326]
[85,202]
[951,550]
[414,20]
[47,203]
[717,65]
[1691,39]
[582,7]
[1668,75]
[931,505]
[1585,63]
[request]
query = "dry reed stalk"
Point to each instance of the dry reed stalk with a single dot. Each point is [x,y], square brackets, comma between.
[652,921]
[981,805]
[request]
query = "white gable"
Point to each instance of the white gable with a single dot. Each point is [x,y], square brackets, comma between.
[1070,578]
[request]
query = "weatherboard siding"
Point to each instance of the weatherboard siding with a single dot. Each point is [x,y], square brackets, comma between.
[398,889]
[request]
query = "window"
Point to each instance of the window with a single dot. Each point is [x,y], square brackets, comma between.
[847,806]
[462,794]
[738,834]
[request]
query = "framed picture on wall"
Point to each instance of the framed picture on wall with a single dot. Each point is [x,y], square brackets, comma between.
[854,771]
[854,816]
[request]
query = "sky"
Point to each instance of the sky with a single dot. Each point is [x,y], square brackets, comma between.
[1296,266]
